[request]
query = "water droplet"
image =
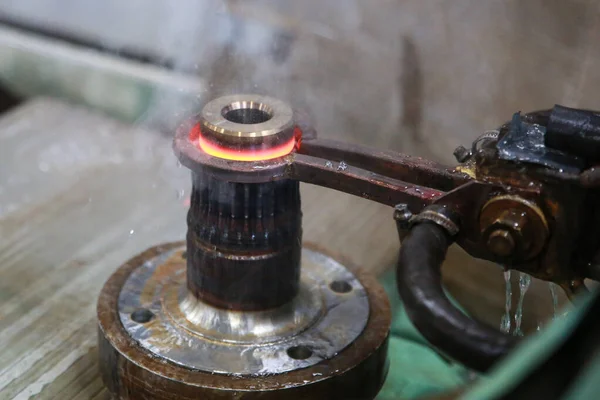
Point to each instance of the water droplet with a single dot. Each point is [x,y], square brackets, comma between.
[505,322]
[131,232]
[180,194]
[342,167]
[524,282]
[329,164]
[471,375]
[554,295]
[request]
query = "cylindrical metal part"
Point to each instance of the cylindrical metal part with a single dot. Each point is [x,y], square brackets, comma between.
[232,314]
[246,128]
[244,239]
[244,242]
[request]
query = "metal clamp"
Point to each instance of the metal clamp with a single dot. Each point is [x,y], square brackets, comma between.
[440,215]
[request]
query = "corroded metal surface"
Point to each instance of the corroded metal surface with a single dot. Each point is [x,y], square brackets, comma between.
[322,320]
[504,216]
[520,226]
[356,372]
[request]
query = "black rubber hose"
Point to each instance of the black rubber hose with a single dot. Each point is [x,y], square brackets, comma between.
[419,281]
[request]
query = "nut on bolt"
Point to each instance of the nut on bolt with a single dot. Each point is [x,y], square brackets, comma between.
[513,227]
[501,243]
[402,215]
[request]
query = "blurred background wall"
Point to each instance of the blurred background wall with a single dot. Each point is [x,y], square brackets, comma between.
[416,76]
[419,76]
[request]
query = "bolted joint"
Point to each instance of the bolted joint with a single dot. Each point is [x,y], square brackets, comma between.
[509,235]
[440,215]
[513,228]
[501,243]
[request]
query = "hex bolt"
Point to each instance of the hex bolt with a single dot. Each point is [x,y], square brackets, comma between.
[402,215]
[513,227]
[501,243]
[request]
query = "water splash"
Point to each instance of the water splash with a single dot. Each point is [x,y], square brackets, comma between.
[524,282]
[505,322]
[552,287]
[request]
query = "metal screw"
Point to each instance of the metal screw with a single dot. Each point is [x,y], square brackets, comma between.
[501,243]
[513,227]
[462,154]
[402,214]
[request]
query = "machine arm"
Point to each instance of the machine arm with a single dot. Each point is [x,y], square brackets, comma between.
[517,198]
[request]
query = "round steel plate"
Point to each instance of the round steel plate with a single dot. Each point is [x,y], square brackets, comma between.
[320,321]
[131,371]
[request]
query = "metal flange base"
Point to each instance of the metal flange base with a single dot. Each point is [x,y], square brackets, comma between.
[134,367]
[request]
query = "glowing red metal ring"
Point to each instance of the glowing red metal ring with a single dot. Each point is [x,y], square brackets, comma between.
[251,154]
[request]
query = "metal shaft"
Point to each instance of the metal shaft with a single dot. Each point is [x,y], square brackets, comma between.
[244,243]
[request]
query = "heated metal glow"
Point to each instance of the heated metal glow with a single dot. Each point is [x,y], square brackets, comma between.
[215,150]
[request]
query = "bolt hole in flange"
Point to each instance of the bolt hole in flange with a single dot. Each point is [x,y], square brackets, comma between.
[247,112]
[340,286]
[142,315]
[299,352]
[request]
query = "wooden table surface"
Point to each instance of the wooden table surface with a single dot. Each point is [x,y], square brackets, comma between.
[81,193]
